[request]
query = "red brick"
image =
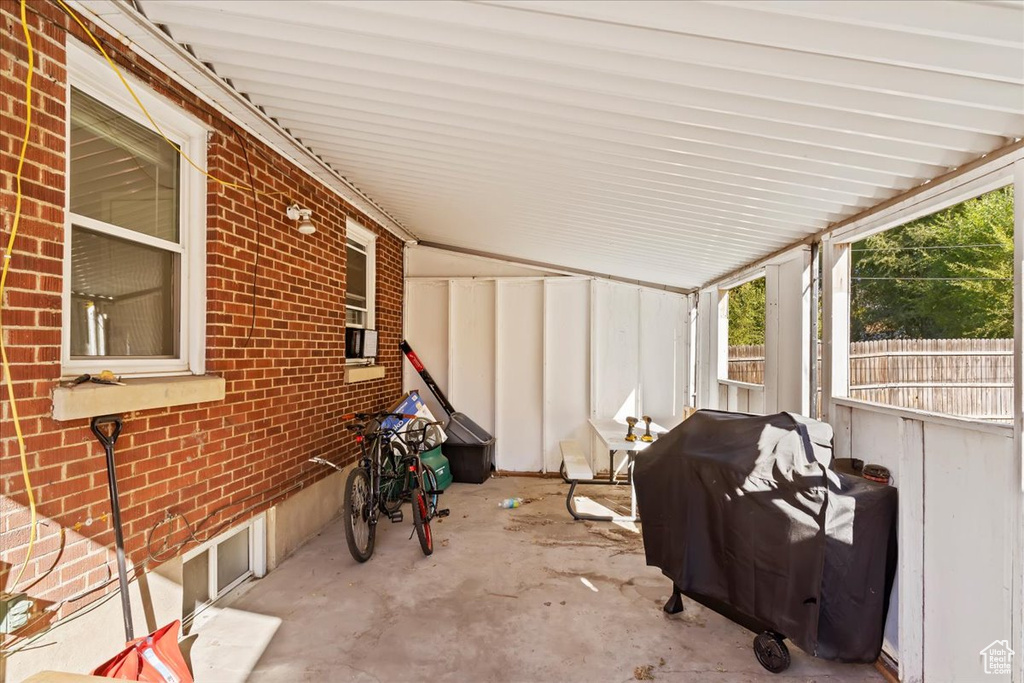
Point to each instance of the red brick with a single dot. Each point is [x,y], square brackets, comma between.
[285,387]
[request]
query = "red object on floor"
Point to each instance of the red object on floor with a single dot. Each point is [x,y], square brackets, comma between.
[155,658]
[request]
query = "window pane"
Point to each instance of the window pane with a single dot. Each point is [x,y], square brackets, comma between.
[123,297]
[355,317]
[195,583]
[746,332]
[232,559]
[355,294]
[931,312]
[122,173]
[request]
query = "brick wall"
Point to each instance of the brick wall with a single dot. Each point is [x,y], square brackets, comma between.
[285,389]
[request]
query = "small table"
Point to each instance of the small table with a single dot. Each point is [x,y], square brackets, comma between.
[612,434]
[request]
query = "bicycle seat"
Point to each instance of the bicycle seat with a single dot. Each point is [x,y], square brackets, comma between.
[355,427]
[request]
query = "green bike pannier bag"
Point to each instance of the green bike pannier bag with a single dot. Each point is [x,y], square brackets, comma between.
[436,461]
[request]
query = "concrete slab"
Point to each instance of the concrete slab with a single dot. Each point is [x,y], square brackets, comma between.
[508,595]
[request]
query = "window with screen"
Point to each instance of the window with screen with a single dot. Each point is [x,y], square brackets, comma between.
[931,312]
[746,332]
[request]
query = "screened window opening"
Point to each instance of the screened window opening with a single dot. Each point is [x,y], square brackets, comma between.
[931,312]
[746,332]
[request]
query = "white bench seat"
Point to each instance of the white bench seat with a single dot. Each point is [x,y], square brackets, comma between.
[574,462]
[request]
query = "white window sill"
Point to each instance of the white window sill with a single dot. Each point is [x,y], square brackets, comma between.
[90,400]
[363,373]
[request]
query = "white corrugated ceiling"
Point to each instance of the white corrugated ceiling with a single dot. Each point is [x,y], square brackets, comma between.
[667,142]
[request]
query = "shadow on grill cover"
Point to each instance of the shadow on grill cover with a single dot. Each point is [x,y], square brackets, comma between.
[745,514]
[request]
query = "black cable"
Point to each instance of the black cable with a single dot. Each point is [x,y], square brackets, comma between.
[259,232]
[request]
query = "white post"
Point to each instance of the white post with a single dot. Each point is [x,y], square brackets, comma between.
[721,347]
[787,334]
[709,356]
[910,575]
[1017,602]
[774,344]
[835,352]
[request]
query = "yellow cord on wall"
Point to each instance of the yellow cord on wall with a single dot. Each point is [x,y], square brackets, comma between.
[3,284]
[149,117]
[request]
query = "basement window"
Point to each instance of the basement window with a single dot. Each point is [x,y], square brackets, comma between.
[219,566]
[134,261]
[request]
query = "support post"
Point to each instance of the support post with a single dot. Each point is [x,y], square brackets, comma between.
[1017,593]
[835,352]
[910,574]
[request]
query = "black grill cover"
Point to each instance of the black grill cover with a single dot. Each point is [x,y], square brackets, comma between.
[746,515]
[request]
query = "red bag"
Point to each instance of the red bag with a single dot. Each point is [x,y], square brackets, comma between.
[155,658]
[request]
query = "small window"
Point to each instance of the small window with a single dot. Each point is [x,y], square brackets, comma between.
[931,313]
[746,332]
[135,252]
[217,567]
[360,281]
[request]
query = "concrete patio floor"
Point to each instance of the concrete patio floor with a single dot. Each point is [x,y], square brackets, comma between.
[508,595]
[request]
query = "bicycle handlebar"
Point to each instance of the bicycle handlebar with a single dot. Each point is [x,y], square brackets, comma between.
[373,416]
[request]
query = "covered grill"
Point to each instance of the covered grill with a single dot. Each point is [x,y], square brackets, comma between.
[746,515]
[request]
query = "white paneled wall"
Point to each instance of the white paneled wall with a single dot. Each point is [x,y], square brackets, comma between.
[426,311]
[956,523]
[566,366]
[532,358]
[519,389]
[471,349]
[615,322]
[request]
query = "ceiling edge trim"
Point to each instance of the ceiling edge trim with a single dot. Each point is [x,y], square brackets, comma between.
[552,267]
[926,191]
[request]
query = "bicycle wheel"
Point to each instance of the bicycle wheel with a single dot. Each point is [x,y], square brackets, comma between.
[360,532]
[421,520]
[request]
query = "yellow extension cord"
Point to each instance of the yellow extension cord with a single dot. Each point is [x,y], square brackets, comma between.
[14,231]
[3,284]
[142,107]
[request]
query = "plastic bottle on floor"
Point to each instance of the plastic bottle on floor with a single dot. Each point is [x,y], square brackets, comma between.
[510,503]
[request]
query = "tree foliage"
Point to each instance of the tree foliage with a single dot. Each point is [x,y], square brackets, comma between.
[944,276]
[746,313]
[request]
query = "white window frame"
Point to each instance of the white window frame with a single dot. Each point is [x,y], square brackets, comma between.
[257,527]
[836,275]
[723,326]
[89,73]
[368,241]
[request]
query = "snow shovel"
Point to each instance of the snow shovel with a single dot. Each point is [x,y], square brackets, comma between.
[107,428]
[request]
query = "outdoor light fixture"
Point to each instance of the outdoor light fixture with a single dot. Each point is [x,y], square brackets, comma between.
[303,216]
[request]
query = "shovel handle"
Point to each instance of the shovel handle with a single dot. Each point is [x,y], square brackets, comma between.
[107,428]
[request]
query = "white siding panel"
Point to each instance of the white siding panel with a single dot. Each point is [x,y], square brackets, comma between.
[968,536]
[616,349]
[519,396]
[662,348]
[566,367]
[472,369]
[427,332]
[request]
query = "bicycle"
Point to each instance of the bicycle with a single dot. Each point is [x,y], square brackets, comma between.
[389,473]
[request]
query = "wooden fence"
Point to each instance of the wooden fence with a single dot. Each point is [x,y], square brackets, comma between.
[967,377]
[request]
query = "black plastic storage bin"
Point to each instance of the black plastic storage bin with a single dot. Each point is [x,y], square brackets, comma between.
[469,449]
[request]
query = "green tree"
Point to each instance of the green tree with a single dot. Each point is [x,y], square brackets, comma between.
[746,313]
[947,275]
